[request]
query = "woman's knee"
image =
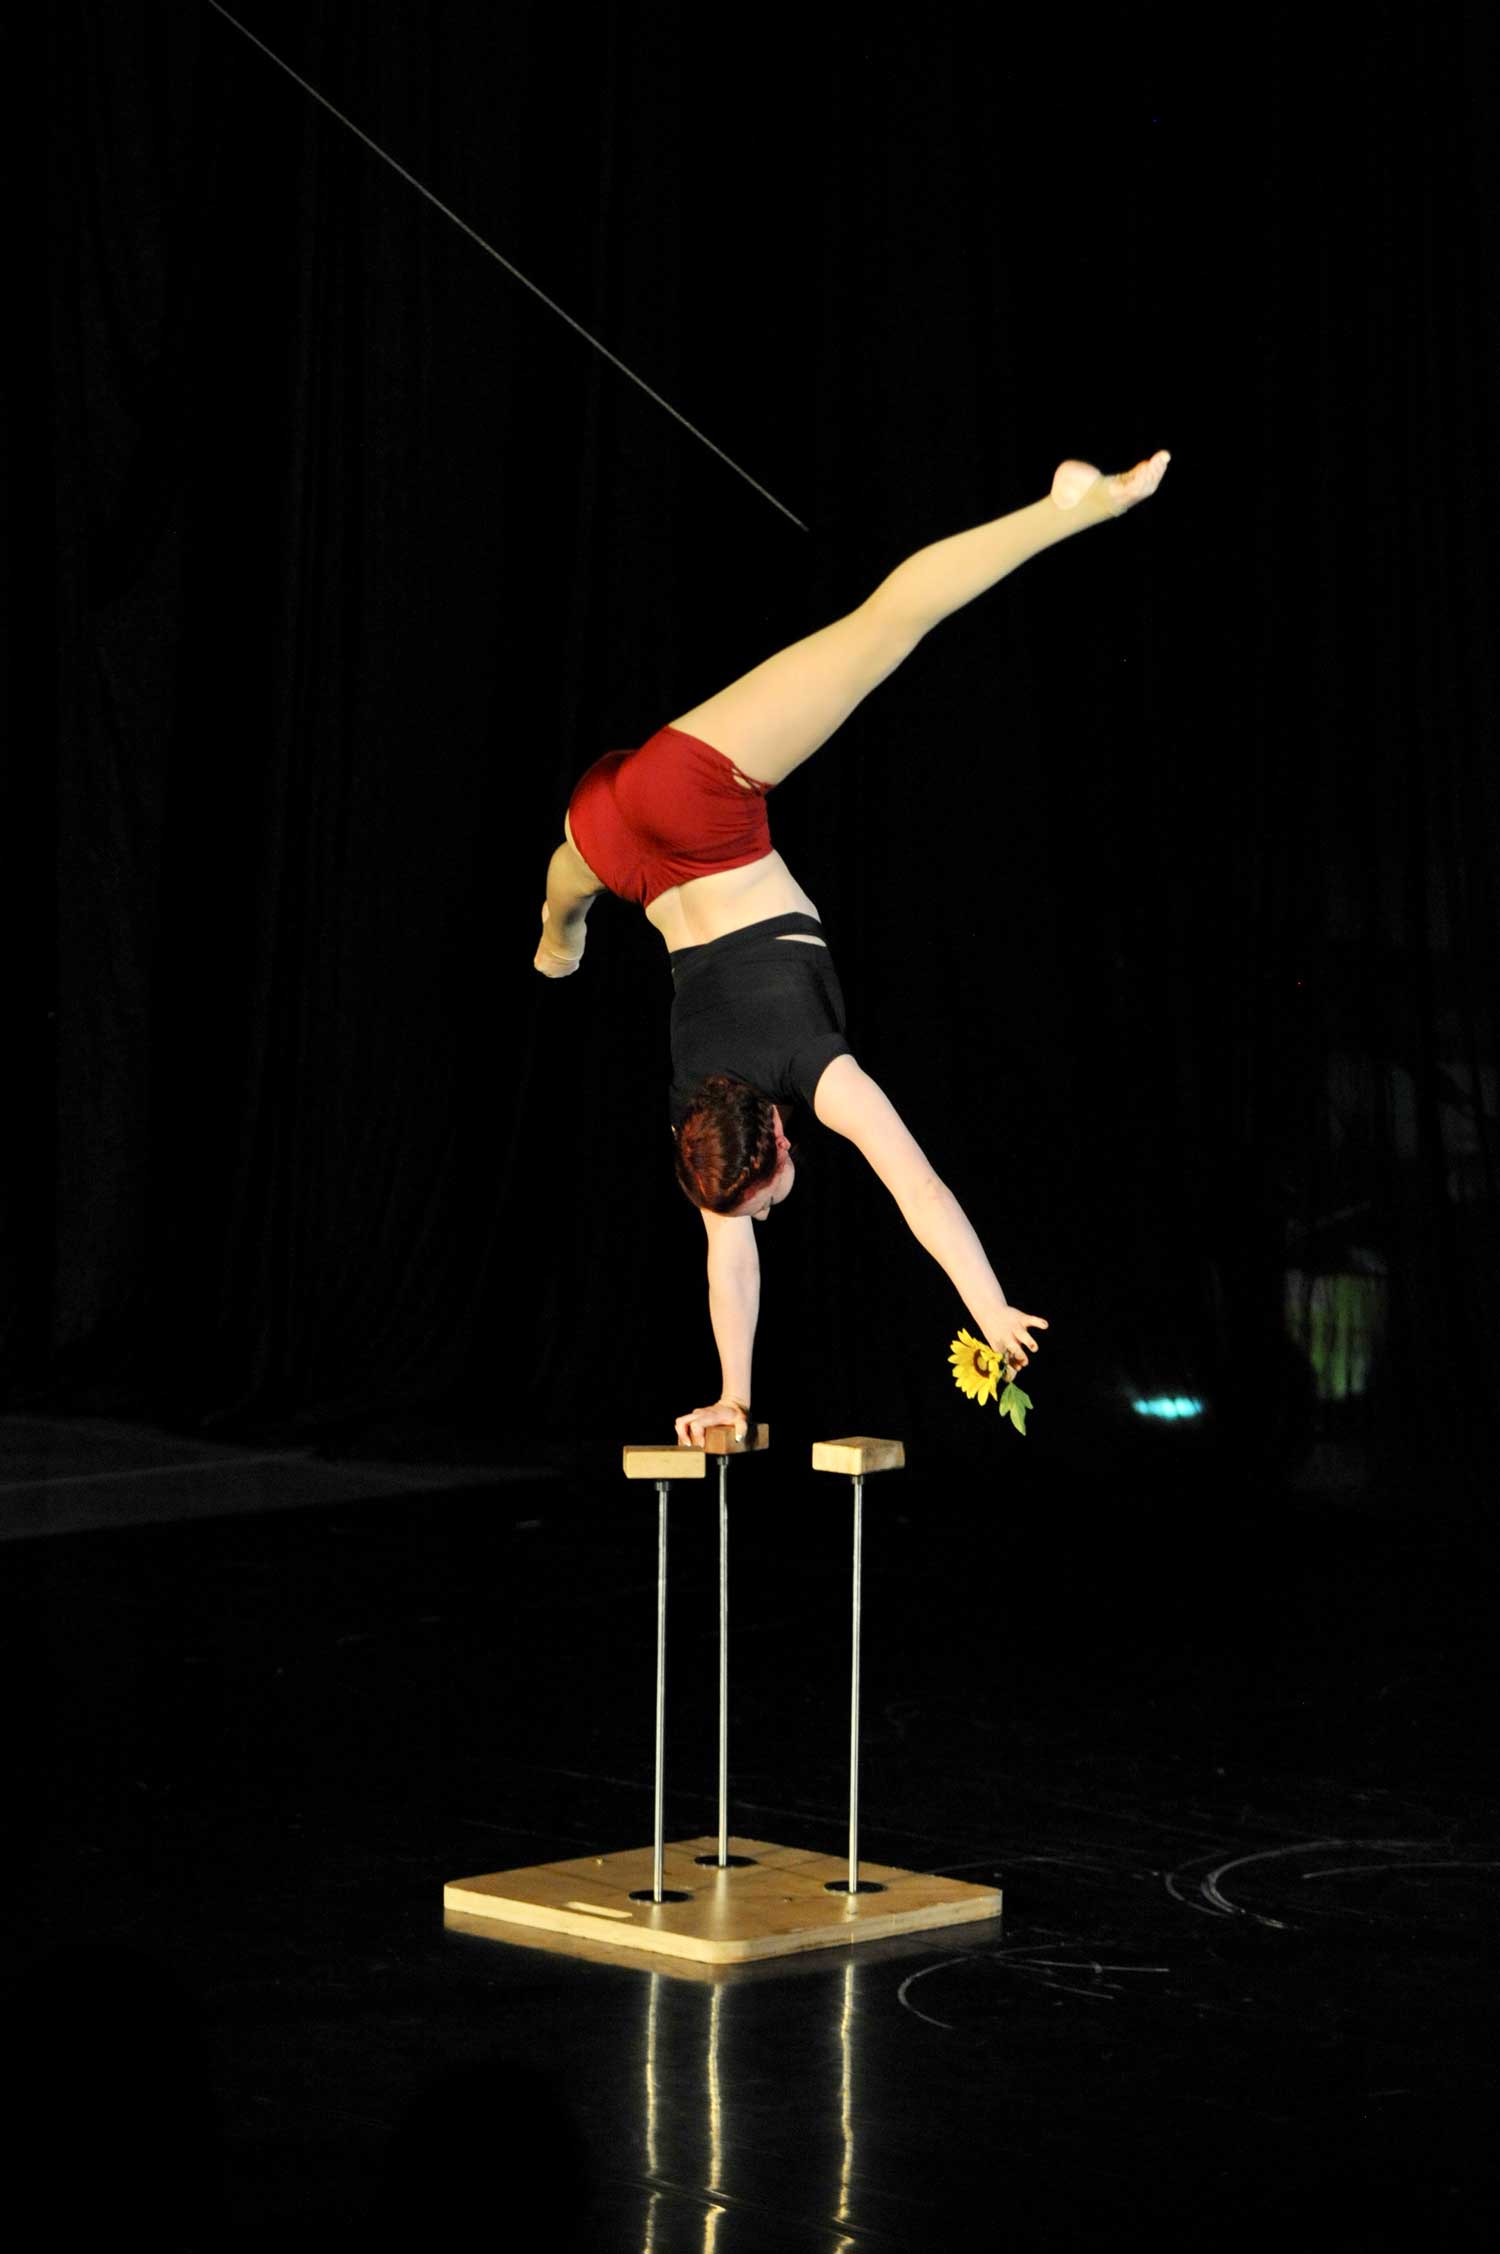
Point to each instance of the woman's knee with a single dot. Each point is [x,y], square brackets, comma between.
[891,627]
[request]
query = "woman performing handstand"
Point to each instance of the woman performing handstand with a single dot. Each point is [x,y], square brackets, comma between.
[680,826]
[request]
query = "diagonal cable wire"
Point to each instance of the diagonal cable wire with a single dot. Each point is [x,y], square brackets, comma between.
[475,236]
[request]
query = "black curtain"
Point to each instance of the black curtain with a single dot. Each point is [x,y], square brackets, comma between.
[1162,879]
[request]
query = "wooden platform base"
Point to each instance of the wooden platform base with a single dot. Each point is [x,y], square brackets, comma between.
[777,1904]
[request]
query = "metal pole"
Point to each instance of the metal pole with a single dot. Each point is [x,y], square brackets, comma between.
[859,1523]
[661,1682]
[723,1662]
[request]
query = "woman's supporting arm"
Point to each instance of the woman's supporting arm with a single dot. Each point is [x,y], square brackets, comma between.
[734,1304]
[733,1309]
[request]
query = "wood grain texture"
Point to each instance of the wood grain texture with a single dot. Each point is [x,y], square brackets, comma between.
[645,1461]
[777,1906]
[858,1454]
[722,1442]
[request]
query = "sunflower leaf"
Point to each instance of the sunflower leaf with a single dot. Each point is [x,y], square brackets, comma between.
[1014,1404]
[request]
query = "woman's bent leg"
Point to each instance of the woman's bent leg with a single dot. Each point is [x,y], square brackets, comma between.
[773,718]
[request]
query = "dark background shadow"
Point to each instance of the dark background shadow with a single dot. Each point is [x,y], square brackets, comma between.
[112,2115]
[1162,879]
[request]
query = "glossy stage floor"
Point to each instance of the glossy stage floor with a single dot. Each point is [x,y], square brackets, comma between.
[1224,1750]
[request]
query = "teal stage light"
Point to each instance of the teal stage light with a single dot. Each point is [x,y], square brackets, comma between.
[1168,1406]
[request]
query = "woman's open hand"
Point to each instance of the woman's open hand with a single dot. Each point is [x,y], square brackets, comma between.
[691,1428]
[1008,1333]
[551,959]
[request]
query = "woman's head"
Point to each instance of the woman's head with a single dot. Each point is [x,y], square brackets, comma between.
[732,1151]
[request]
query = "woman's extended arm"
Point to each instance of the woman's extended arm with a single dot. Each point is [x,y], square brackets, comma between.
[940,1224]
[733,1307]
[852,1104]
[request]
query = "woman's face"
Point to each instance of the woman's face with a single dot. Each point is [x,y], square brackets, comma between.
[761,1204]
[786,1175]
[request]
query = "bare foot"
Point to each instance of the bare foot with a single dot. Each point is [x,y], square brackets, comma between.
[551,958]
[1114,494]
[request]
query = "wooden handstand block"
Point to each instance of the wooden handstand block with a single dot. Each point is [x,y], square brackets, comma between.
[646,1462]
[859,1455]
[720,1441]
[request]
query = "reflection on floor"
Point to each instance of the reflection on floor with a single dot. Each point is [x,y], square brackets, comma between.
[1229,1772]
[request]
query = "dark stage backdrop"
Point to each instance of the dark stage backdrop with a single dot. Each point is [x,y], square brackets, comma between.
[1162,879]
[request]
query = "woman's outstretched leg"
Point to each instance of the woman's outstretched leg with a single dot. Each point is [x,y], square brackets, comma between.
[773,718]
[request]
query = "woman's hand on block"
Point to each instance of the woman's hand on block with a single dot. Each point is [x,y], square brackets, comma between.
[691,1428]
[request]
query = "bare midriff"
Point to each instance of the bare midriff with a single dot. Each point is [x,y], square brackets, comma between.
[709,907]
[689,915]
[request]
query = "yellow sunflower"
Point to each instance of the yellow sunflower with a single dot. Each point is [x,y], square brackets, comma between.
[978,1370]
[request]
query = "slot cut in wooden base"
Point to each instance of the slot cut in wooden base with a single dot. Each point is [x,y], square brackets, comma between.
[778,1903]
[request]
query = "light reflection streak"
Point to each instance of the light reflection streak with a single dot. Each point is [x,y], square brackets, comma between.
[653,2155]
[846,2100]
[716,2194]
[715,2213]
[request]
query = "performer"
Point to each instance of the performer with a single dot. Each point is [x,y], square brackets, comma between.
[680,825]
